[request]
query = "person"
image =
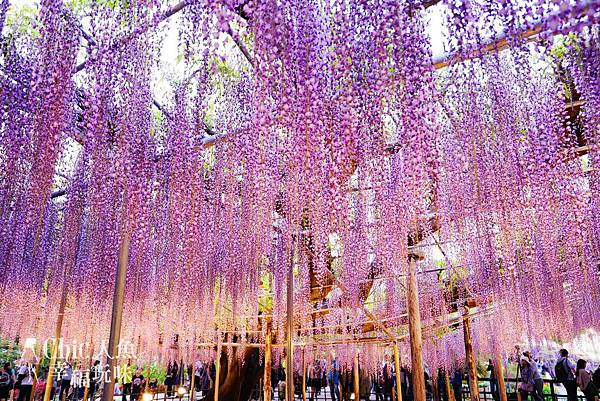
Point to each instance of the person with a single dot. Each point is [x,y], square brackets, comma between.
[169,380]
[95,379]
[13,379]
[5,383]
[527,384]
[583,378]
[125,379]
[388,379]
[441,385]
[281,390]
[66,374]
[596,377]
[77,382]
[206,378]
[153,385]
[538,382]
[347,380]
[405,378]
[378,385]
[310,381]
[364,385]
[198,370]
[317,378]
[493,381]
[334,382]
[118,389]
[26,372]
[297,384]
[176,376]
[564,371]
[456,381]
[137,384]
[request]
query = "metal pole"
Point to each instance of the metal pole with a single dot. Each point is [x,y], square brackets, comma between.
[289,374]
[398,372]
[414,325]
[117,316]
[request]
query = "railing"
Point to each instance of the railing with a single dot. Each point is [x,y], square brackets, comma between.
[485,394]
[549,393]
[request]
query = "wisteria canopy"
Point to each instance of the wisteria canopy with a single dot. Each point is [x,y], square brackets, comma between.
[318,135]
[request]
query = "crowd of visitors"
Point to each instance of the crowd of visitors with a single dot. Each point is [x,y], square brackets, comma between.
[381,384]
[324,380]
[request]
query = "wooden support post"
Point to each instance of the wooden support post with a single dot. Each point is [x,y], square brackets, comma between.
[414,326]
[268,363]
[289,365]
[356,378]
[398,371]
[117,316]
[449,392]
[500,376]
[56,341]
[193,381]
[435,388]
[86,391]
[218,368]
[470,356]
[304,374]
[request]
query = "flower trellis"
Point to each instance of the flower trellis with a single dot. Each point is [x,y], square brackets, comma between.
[337,146]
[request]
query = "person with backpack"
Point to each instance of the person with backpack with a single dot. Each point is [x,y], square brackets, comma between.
[596,377]
[26,385]
[584,381]
[65,374]
[564,371]
[5,383]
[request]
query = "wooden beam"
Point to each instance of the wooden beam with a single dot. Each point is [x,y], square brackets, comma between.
[527,34]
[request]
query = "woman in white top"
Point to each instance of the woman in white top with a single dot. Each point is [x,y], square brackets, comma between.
[584,381]
[27,383]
